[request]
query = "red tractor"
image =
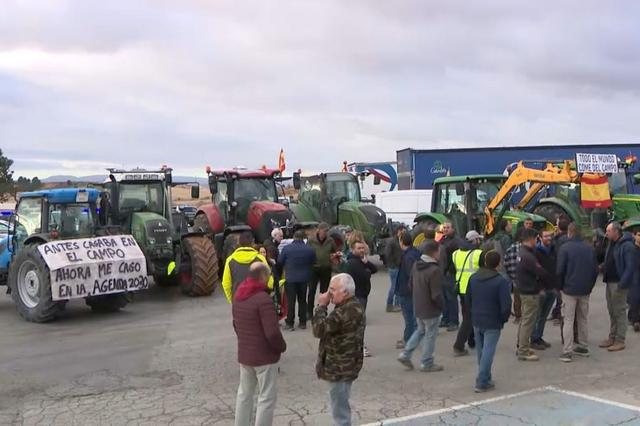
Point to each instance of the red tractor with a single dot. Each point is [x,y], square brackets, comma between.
[243,200]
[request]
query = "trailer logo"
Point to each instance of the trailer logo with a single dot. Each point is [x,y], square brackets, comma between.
[438,168]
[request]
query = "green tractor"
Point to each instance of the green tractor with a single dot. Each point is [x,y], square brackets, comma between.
[335,198]
[139,201]
[553,200]
[464,201]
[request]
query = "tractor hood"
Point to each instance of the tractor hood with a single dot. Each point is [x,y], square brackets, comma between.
[540,222]
[150,229]
[365,217]
[263,216]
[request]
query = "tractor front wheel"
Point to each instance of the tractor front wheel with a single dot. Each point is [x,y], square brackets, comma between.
[30,286]
[198,266]
[417,233]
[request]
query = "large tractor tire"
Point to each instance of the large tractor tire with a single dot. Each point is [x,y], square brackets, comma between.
[417,233]
[549,212]
[30,286]
[201,223]
[199,266]
[108,303]
[231,243]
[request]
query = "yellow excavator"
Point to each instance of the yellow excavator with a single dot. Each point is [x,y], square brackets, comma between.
[522,175]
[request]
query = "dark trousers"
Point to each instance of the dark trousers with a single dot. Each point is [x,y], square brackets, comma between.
[465,332]
[450,311]
[296,291]
[633,299]
[320,275]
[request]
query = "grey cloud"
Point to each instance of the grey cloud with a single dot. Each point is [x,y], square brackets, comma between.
[227,83]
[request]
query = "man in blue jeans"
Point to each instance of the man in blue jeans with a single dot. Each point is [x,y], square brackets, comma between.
[489,299]
[426,281]
[404,295]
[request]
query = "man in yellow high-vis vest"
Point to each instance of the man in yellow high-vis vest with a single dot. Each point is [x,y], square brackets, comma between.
[467,261]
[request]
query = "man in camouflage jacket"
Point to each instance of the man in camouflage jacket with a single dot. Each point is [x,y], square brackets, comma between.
[341,334]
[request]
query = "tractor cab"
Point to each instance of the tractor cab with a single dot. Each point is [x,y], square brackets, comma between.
[56,213]
[463,199]
[335,198]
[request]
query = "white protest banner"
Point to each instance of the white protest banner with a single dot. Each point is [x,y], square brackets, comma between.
[94,266]
[596,163]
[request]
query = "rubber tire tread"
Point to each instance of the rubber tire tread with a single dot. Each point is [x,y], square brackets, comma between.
[549,212]
[204,266]
[47,309]
[108,302]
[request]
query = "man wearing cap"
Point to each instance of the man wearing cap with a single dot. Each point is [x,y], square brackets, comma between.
[467,261]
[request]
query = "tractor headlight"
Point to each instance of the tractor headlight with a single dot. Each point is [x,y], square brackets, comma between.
[152,241]
[169,241]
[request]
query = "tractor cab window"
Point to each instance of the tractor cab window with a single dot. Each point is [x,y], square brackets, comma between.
[147,197]
[339,188]
[255,189]
[221,200]
[485,192]
[311,192]
[28,218]
[71,220]
[450,198]
[618,183]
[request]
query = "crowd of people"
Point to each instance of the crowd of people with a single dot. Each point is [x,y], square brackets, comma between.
[465,285]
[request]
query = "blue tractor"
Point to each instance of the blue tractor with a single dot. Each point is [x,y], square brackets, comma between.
[42,217]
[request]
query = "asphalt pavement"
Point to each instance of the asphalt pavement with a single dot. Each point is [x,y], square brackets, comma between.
[170,359]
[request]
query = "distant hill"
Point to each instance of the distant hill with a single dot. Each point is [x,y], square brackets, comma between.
[101,178]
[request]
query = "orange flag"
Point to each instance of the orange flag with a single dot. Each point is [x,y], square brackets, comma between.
[281,165]
[594,191]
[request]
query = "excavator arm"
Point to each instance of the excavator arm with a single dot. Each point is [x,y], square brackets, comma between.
[522,174]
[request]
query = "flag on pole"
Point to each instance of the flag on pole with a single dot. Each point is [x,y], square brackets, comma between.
[281,165]
[344,167]
[594,191]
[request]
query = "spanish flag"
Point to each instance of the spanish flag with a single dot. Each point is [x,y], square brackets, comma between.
[594,191]
[281,165]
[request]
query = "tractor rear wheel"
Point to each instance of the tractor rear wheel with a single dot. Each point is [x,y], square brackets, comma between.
[230,245]
[549,212]
[198,266]
[30,286]
[108,302]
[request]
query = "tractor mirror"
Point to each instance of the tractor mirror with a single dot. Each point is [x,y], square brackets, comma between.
[460,189]
[195,191]
[296,180]
[168,178]
[213,184]
[376,180]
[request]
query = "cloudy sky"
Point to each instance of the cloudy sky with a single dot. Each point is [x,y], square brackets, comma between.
[86,84]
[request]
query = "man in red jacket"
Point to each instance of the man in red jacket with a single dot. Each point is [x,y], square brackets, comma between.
[260,344]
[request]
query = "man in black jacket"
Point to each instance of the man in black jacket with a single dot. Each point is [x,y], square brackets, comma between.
[360,269]
[577,272]
[392,259]
[562,224]
[547,259]
[528,276]
[620,274]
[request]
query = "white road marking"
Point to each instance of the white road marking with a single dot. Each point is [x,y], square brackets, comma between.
[501,398]
[595,399]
